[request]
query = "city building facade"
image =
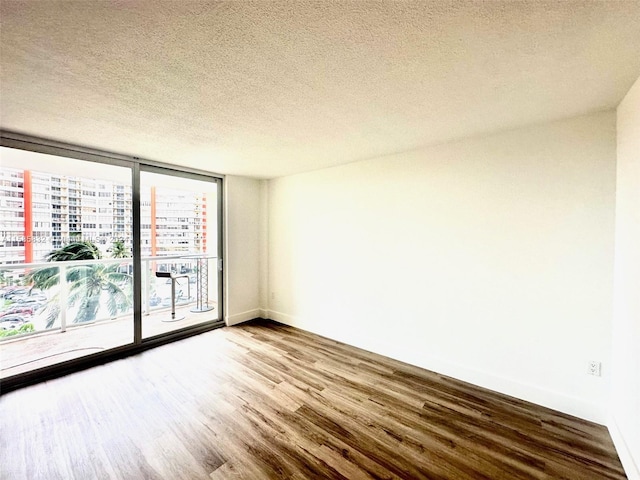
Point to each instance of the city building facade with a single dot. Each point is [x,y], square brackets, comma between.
[41,212]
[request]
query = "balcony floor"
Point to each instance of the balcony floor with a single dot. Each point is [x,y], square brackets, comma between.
[22,354]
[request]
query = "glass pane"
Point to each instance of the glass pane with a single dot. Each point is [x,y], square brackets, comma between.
[65,261]
[179,245]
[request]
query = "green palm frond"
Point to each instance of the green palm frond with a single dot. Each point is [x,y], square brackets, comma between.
[51,311]
[43,278]
[119,250]
[86,283]
[75,251]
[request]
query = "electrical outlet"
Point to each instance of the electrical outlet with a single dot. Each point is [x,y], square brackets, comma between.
[273,295]
[594,368]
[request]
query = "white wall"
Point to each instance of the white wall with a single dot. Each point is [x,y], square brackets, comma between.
[243,217]
[489,259]
[625,385]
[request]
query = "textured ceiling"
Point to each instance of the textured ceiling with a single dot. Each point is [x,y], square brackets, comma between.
[273,88]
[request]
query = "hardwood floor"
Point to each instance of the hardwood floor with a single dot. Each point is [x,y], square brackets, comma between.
[262,400]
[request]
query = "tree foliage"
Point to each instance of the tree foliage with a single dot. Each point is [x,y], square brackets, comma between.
[26,328]
[86,282]
[119,250]
[82,250]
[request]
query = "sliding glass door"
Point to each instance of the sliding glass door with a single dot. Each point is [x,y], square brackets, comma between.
[180,251]
[112,252]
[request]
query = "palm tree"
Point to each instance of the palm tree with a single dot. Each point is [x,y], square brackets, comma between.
[119,250]
[82,250]
[45,278]
[86,282]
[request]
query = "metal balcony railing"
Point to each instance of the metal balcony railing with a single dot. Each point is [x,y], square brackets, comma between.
[57,292]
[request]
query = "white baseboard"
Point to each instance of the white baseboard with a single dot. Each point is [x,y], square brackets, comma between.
[628,462]
[282,318]
[532,393]
[243,316]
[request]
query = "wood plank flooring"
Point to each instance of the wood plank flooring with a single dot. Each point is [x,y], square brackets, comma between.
[262,401]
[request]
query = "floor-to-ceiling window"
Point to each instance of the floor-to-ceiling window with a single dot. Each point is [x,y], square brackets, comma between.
[101,254]
[180,240]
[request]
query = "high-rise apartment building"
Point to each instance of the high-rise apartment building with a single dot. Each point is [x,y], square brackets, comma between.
[12,213]
[41,212]
[173,221]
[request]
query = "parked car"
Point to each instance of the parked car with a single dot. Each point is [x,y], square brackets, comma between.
[10,322]
[25,310]
[16,293]
[40,297]
[32,303]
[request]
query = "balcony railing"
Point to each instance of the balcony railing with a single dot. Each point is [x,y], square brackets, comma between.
[59,296]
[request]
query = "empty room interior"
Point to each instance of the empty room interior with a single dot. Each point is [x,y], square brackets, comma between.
[317,239]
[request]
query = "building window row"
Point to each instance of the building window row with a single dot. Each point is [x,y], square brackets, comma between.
[13,194]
